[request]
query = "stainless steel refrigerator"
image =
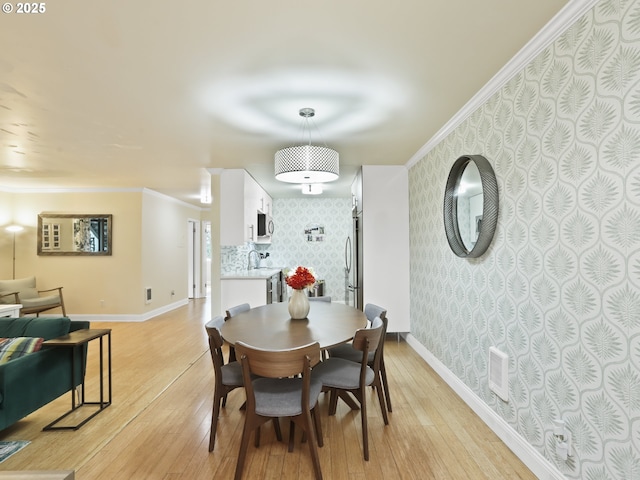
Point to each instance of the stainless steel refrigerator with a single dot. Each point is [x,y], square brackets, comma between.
[353,292]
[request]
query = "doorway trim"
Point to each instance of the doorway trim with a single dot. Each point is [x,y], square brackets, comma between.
[194,259]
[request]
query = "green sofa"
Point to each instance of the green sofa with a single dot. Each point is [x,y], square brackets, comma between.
[35,379]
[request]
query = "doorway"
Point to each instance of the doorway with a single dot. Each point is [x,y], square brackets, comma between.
[193,259]
[198,258]
[206,241]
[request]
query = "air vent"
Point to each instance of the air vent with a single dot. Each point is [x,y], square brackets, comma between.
[499,373]
[147,295]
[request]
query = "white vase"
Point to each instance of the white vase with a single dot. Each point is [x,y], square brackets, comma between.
[298,305]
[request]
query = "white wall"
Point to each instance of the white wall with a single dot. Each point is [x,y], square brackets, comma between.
[148,250]
[385,229]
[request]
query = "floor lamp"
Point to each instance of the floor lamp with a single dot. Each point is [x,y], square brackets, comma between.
[14,229]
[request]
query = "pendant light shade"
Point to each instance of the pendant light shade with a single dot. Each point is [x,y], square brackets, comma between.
[307,163]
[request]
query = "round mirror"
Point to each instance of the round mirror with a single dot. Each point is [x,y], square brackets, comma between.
[470,206]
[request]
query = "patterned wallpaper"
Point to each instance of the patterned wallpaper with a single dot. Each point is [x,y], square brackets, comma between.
[290,247]
[559,289]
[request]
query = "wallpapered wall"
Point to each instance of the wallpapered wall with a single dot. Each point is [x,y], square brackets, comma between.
[290,248]
[559,290]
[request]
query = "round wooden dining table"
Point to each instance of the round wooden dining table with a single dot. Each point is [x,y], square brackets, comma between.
[270,327]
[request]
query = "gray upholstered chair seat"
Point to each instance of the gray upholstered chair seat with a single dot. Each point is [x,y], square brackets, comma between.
[232,374]
[280,397]
[324,298]
[347,352]
[341,373]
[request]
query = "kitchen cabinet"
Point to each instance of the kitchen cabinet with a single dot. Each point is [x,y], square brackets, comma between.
[241,199]
[255,287]
[381,199]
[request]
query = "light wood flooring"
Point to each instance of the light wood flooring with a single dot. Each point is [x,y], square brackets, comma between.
[158,425]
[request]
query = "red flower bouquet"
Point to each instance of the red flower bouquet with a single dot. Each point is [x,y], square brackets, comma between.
[301,278]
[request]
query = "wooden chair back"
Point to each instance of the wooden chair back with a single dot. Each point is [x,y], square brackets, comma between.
[278,363]
[232,312]
[215,345]
[368,340]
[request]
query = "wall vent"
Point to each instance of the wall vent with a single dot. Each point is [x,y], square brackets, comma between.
[147,295]
[499,373]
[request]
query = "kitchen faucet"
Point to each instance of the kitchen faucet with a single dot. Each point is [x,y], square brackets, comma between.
[255,263]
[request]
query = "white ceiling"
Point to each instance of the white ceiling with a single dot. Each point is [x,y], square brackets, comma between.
[150,94]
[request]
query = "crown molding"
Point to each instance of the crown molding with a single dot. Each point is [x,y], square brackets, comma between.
[68,190]
[565,18]
[143,190]
[169,198]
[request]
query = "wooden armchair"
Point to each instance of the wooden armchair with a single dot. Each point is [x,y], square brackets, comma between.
[23,291]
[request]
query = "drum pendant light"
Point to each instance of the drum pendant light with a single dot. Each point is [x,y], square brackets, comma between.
[307,164]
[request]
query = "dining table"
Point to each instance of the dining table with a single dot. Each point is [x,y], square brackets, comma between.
[270,327]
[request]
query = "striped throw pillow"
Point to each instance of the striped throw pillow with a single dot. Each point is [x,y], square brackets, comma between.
[16,347]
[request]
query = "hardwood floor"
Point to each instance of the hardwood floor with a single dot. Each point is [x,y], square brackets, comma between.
[158,425]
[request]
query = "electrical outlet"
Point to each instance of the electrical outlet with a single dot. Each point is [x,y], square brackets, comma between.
[563,439]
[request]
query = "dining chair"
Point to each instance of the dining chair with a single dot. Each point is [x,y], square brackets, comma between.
[348,352]
[228,376]
[323,298]
[232,312]
[279,384]
[339,375]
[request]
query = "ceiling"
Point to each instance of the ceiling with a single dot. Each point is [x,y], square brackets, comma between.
[122,94]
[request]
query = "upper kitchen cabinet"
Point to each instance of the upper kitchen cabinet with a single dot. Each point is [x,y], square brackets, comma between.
[244,209]
[382,195]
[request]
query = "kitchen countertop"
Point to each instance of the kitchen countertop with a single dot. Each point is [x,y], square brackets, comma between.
[254,274]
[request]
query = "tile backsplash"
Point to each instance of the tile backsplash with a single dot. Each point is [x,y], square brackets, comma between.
[236,257]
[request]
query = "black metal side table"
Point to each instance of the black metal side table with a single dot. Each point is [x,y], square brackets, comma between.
[75,339]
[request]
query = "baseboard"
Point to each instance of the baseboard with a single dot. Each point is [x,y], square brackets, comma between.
[534,460]
[126,317]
